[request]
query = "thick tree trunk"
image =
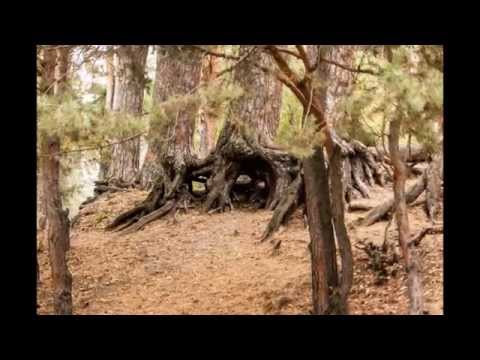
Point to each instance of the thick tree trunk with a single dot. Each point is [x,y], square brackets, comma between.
[57,229]
[170,139]
[129,80]
[247,134]
[207,119]
[412,260]
[240,150]
[169,156]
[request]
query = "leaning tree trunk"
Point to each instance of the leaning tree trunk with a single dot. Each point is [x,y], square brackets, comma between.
[412,260]
[129,86]
[169,157]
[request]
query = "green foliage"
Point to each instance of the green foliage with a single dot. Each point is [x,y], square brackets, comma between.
[408,87]
[297,139]
[78,124]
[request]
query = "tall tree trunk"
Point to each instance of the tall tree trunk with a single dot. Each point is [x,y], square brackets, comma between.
[170,139]
[46,70]
[329,297]
[129,86]
[412,260]
[58,225]
[239,149]
[323,252]
[169,154]
[250,126]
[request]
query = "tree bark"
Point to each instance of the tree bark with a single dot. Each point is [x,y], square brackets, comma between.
[110,82]
[129,86]
[169,156]
[247,135]
[46,72]
[170,140]
[207,119]
[57,229]
[323,252]
[240,149]
[338,213]
[61,70]
[412,261]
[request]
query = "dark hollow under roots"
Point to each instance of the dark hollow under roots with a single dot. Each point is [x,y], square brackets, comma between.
[241,173]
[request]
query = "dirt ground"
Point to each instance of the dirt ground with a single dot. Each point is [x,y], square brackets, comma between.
[214,264]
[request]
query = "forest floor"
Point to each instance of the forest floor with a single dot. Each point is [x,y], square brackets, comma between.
[213,264]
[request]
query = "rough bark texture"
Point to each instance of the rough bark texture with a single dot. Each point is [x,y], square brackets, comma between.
[241,150]
[57,222]
[329,296]
[57,229]
[129,66]
[170,139]
[247,137]
[338,213]
[323,252]
[412,260]
[207,119]
[169,157]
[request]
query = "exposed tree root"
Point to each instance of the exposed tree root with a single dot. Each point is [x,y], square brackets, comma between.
[416,239]
[382,210]
[273,181]
[287,205]
[157,214]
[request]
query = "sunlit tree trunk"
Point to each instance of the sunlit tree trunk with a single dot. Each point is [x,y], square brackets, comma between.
[170,139]
[128,92]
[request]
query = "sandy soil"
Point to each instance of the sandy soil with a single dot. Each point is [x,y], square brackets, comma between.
[213,264]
